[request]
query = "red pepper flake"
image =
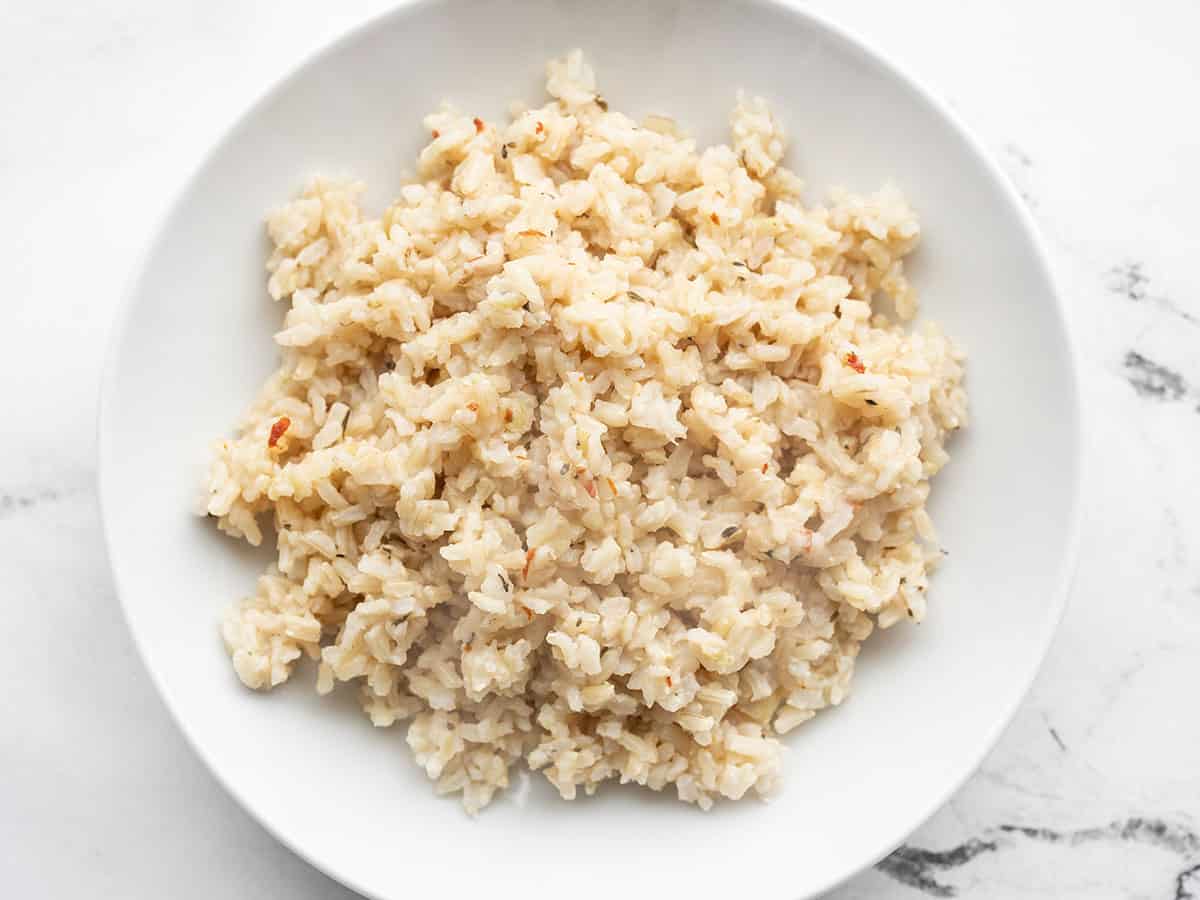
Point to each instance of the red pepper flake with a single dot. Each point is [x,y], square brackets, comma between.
[715,219]
[765,468]
[540,128]
[528,612]
[478,126]
[277,430]
[670,683]
[531,233]
[473,407]
[529,555]
[436,134]
[508,415]
[852,360]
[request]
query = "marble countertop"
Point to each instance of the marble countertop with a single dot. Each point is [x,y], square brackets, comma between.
[1094,790]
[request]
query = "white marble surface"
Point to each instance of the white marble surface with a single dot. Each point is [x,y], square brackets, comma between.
[1094,790]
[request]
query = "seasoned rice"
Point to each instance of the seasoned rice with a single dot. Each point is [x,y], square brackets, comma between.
[594,450]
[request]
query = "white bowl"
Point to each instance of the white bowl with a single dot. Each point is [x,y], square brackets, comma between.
[193,344]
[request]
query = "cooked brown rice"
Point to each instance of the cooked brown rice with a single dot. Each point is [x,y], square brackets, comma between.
[591,451]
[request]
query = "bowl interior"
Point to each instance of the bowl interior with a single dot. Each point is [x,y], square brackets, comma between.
[928,701]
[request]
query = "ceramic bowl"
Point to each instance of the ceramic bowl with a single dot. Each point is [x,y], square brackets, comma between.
[194,342]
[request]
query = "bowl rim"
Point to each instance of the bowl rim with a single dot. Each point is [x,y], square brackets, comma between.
[154,236]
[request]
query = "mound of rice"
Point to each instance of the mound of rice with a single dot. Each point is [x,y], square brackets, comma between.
[591,451]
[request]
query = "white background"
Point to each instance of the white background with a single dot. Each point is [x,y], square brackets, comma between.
[1092,109]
